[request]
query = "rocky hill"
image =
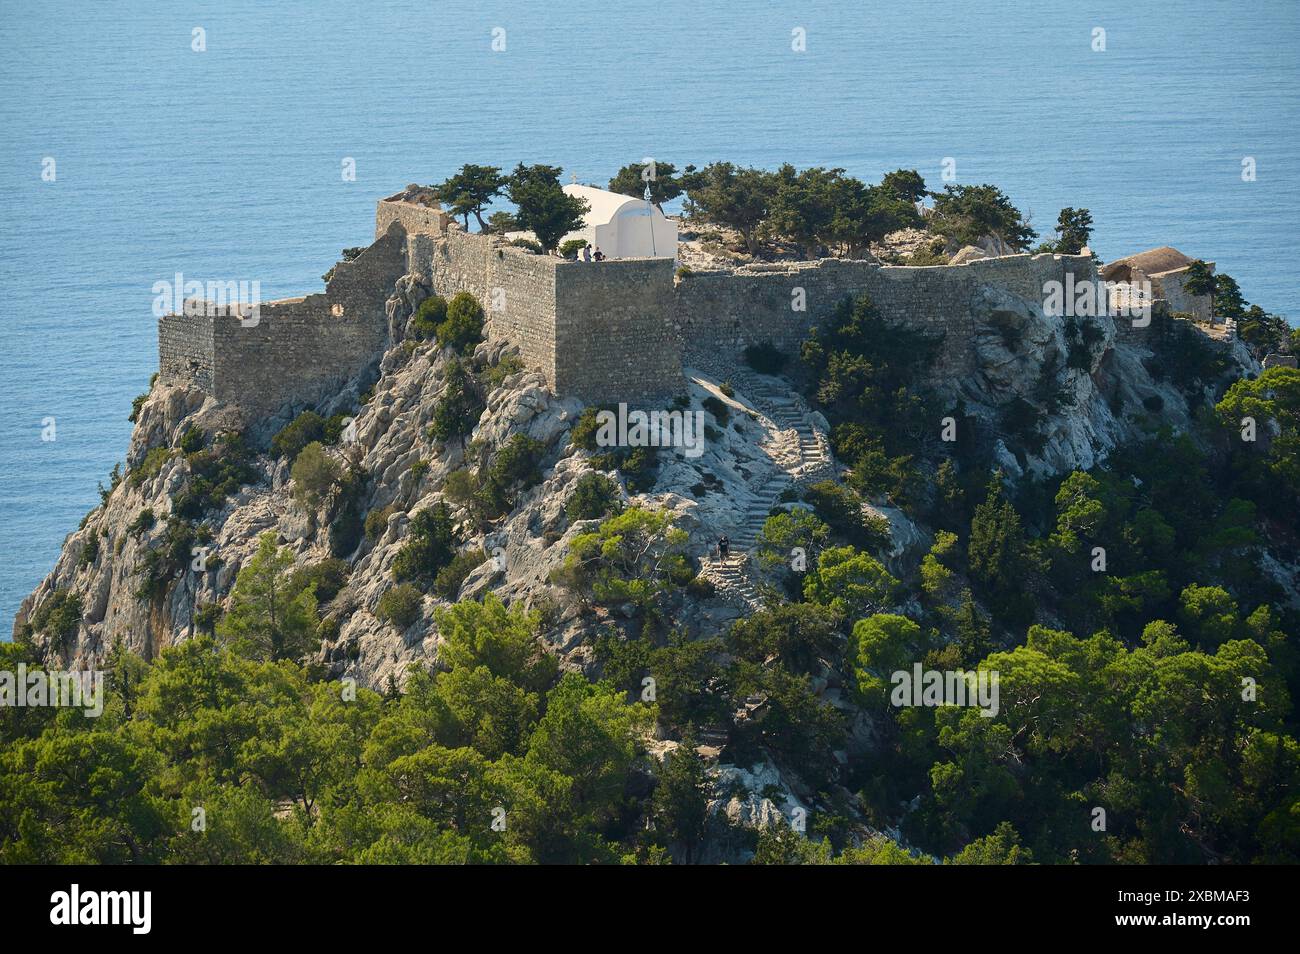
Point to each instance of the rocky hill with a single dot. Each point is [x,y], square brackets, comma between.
[156,563]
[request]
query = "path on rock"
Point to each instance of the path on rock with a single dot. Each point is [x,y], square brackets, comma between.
[801,452]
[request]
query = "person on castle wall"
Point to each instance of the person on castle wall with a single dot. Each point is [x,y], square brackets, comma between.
[600,256]
[586,253]
[724,547]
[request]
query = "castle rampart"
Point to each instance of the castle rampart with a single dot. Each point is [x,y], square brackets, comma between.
[726,311]
[601,331]
[298,348]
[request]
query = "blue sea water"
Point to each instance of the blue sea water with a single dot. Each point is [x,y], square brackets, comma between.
[226,163]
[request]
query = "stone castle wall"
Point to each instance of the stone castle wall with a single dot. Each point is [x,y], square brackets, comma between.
[300,348]
[601,331]
[414,218]
[729,310]
[186,354]
[615,339]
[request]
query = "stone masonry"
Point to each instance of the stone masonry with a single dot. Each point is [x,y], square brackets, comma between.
[601,331]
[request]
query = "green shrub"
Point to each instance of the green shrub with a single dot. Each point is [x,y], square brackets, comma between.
[136,404]
[59,616]
[583,433]
[573,247]
[461,487]
[192,441]
[841,509]
[89,550]
[431,313]
[701,588]
[451,577]
[306,428]
[143,521]
[720,411]
[215,473]
[684,271]
[419,469]
[726,388]
[463,327]
[314,474]
[377,521]
[594,496]
[346,529]
[150,467]
[334,428]
[515,464]
[459,407]
[160,565]
[114,478]
[430,545]
[766,358]
[329,576]
[509,364]
[400,605]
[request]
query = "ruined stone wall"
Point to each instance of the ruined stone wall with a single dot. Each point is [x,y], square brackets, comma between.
[515,287]
[185,350]
[415,218]
[724,312]
[602,331]
[299,349]
[614,332]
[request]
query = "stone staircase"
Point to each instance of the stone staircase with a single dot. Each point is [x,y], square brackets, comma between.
[804,455]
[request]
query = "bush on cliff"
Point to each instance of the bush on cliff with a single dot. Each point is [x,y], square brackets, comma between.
[841,509]
[314,475]
[298,433]
[59,616]
[462,329]
[430,545]
[458,409]
[720,410]
[451,577]
[630,558]
[377,521]
[594,496]
[137,403]
[215,472]
[328,576]
[400,605]
[431,313]
[150,466]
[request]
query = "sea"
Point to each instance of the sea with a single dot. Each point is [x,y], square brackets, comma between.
[249,139]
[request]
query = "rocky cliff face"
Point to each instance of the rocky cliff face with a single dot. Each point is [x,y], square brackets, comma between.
[1091,378]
